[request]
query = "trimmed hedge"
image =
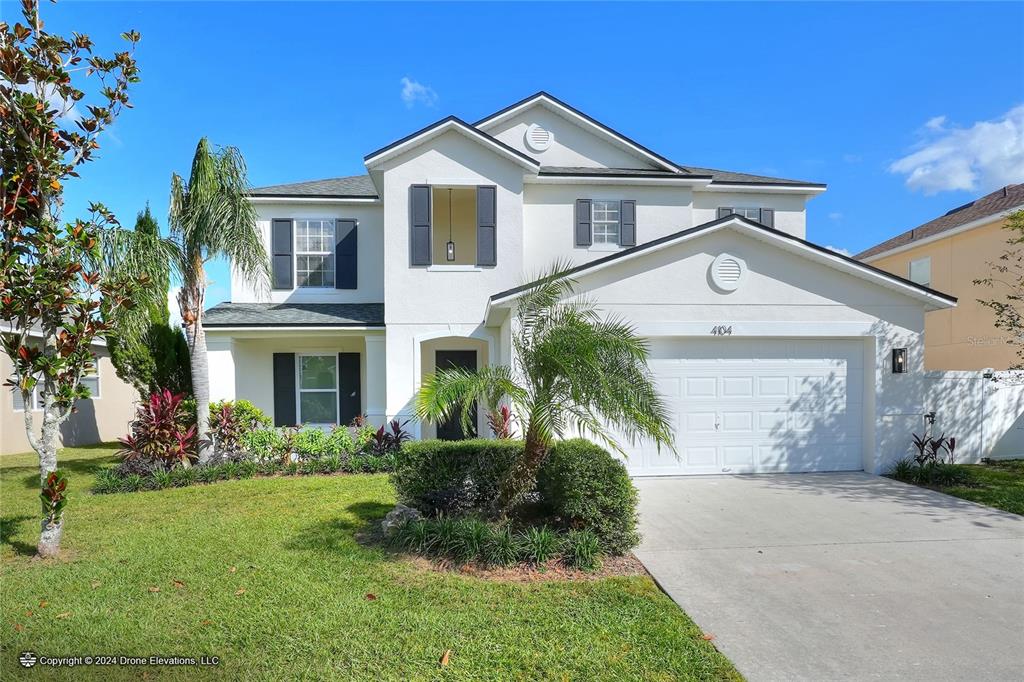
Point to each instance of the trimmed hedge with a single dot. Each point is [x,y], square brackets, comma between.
[452,476]
[581,485]
[584,486]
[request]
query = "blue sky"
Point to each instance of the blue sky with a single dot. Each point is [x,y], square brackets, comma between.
[905,110]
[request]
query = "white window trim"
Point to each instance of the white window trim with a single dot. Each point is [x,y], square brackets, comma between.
[296,254]
[454,268]
[736,210]
[604,246]
[927,260]
[299,390]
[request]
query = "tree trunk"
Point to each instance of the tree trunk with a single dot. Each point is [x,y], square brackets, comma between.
[522,477]
[200,386]
[46,447]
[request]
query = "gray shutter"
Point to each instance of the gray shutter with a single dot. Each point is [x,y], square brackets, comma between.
[419,224]
[486,225]
[284,389]
[724,211]
[627,222]
[346,254]
[281,252]
[584,235]
[350,403]
[768,217]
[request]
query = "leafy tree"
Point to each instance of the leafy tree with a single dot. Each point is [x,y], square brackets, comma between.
[574,373]
[1008,277]
[211,217]
[159,359]
[62,285]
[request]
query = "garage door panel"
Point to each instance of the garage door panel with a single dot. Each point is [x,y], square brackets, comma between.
[759,405]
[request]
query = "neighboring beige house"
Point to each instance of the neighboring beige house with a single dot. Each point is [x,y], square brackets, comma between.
[948,254]
[102,418]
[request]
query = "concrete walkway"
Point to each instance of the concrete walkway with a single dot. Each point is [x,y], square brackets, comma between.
[840,576]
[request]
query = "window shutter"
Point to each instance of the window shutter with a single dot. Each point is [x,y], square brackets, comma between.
[724,211]
[419,224]
[584,236]
[768,217]
[346,254]
[486,225]
[281,252]
[284,389]
[349,401]
[627,222]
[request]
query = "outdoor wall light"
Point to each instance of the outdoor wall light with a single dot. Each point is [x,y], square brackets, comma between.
[450,246]
[899,360]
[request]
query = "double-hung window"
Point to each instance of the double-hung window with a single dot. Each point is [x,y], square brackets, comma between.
[920,271]
[318,389]
[606,222]
[314,253]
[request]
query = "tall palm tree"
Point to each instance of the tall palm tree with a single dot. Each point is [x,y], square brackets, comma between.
[210,218]
[574,373]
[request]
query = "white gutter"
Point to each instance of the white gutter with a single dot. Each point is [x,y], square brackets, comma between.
[313,200]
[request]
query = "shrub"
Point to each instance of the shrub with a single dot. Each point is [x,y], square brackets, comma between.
[208,474]
[108,481]
[389,438]
[184,477]
[582,549]
[312,443]
[230,423]
[538,544]
[445,533]
[471,537]
[247,414]
[501,548]
[157,434]
[437,476]
[162,479]
[340,441]
[583,486]
[904,470]
[267,445]
[415,536]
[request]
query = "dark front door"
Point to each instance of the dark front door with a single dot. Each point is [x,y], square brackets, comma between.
[451,429]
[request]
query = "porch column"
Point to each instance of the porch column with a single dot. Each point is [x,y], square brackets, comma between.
[376,379]
[220,357]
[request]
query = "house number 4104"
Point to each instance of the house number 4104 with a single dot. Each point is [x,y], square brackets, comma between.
[722,330]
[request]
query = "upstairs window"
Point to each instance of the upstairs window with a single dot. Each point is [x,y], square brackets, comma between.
[749,213]
[920,271]
[454,220]
[606,222]
[314,253]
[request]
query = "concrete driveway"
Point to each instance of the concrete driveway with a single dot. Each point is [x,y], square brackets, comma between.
[840,576]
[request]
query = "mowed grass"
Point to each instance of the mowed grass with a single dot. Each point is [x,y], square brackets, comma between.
[271,580]
[999,484]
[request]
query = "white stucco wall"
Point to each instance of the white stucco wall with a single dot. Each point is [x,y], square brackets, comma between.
[790,209]
[549,219]
[370,254]
[572,145]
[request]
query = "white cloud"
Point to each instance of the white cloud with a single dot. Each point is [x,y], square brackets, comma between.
[983,157]
[414,92]
[172,304]
[839,249]
[66,109]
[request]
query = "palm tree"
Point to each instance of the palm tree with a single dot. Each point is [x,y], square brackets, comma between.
[574,373]
[211,217]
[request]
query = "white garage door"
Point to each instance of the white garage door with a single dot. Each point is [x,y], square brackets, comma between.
[757,406]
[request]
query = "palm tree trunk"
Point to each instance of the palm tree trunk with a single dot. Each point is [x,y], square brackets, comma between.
[522,477]
[200,385]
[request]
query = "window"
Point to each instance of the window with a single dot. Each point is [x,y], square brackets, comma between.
[749,213]
[606,222]
[454,220]
[314,253]
[921,271]
[318,389]
[19,404]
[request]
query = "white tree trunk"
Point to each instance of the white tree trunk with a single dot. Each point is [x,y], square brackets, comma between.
[200,386]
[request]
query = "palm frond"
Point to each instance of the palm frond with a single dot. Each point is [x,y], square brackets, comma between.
[448,392]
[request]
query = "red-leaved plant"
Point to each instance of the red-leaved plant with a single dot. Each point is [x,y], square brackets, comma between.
[54,496]
[500,421]
[158,433]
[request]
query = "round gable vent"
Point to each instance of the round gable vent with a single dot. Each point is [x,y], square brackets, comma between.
[537,138]
[728,272]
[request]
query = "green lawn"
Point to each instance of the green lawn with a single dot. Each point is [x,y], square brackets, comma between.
[999,484]
[289,544]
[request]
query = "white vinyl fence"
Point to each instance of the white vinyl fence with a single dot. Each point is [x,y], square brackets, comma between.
[984,413]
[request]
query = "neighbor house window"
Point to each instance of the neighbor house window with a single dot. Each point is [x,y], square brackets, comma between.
[314,253]
[318,389]
[91,380]
[34,402]
[921,271]
[606,222]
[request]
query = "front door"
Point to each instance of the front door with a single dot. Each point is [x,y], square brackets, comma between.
[451,429]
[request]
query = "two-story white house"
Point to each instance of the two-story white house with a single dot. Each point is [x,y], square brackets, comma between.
[774,353]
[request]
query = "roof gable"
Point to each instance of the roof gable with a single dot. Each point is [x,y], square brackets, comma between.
[595,144]
[449,124]
[931,298]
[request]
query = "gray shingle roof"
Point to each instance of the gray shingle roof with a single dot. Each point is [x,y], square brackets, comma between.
[729,177]
[295,315]
[690,171]
[359,186]
[1001,200]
